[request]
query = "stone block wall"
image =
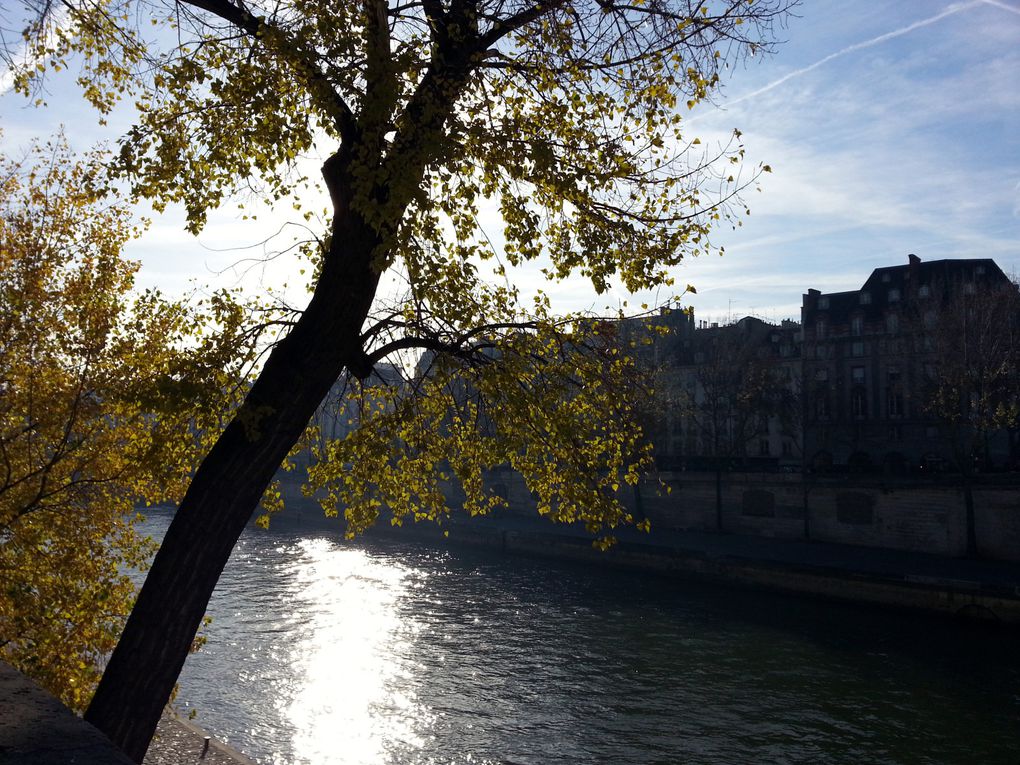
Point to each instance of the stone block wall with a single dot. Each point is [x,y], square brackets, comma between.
[919,517]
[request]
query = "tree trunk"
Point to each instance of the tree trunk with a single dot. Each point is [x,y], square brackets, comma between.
[968,503]
[718,496]
[805,504]
[228,486]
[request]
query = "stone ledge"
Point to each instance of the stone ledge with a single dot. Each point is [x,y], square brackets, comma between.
[36,729]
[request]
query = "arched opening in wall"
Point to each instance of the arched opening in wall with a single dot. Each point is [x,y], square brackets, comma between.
[894,463]
[855,508]
[758,503]
[822,461]
[932,464]
[860,462]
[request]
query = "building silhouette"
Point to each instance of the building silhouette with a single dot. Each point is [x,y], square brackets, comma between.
[851,387]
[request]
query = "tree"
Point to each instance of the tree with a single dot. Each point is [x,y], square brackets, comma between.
[793,403]
[98,403]
[731,394]
[971,341]
[565,114]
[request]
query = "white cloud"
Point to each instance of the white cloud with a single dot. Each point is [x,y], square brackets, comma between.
[948,11]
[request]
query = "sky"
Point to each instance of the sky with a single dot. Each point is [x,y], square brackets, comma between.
[891,128]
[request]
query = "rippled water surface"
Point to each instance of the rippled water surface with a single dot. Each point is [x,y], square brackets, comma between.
[323,653]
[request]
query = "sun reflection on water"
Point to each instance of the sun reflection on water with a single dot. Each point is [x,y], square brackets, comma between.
[322,653]
[352,703]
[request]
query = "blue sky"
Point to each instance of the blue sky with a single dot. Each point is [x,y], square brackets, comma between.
[891,128]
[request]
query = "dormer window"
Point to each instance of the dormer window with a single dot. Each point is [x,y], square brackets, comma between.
[865,298]
[885,278]
[823,302]
[894,295]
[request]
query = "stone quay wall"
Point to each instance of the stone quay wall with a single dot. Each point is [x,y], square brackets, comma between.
[921,517]
[918,516]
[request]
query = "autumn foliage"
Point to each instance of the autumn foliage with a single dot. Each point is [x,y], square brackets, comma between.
[106,398]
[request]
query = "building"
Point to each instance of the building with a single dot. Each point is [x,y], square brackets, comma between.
[872,356]
[852,386]
[723,393]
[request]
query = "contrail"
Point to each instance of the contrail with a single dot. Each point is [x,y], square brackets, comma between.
[949,11]
[1004,6]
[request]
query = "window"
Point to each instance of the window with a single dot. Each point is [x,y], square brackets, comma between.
[894,402]
[787,449]
[894,295]
[895,433]
[859,403]
[820,329]
[980,270]
[763,447]
[931,431]
[857,326]
[822,405]
[929,319]
[857,349]
[865,298]
[822,375]
[892,323]
[857,375]
[969,288]
[893,393]
[823,302]
[886,278]
[821,352]
[924,291]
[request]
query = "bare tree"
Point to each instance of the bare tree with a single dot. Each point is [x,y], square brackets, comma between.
[971,342]
[730,395]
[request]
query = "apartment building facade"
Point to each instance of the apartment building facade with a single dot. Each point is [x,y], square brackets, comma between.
[851,387]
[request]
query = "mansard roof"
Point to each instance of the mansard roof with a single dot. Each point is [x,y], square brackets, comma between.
[917,272]
[891,285]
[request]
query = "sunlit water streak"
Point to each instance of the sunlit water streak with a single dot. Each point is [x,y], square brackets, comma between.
[324,653]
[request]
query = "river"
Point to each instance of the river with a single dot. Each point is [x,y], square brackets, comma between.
[379,653]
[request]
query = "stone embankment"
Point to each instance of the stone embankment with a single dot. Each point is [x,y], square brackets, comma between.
[878,568]
[36,729]
[976,589]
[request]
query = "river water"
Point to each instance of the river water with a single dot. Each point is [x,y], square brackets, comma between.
[376,653]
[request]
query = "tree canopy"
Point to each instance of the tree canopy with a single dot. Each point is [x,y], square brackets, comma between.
[106,400]
[567,116]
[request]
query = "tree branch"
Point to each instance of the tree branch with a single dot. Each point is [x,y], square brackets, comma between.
[318,83]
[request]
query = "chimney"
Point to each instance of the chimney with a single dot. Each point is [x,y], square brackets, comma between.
[912,259]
